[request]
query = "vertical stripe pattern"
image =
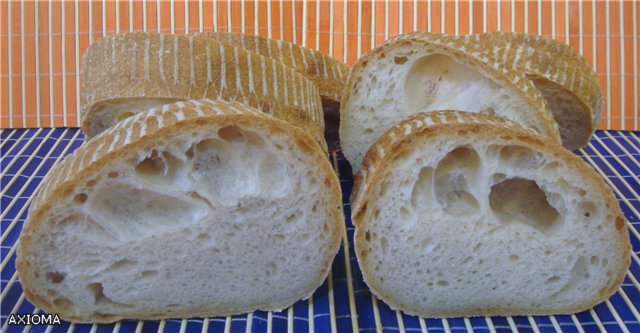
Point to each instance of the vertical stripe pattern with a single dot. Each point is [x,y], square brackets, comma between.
[42,43]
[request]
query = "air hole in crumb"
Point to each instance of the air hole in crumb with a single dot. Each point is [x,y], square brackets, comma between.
[62,302]
[231,133]
[368,131]
[552,279]
[521,200]
[514,257]
[92,183]
[112,174]
[384,245]
[55,277]
[280,237]
[203,237]
[442,283]
[400,60]
[80,198]
[367,236]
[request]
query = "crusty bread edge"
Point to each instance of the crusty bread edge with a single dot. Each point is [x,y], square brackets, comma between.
[56,189]
[400,138]
[458,49]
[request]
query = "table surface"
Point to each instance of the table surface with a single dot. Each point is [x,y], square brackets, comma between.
[343,303]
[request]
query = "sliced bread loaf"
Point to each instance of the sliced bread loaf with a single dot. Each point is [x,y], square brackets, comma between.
[566,81]
[419,72]
[198,208]
[126,73]
[330,75]
[462,214]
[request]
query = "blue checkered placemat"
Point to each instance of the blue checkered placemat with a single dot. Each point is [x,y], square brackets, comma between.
[343,303]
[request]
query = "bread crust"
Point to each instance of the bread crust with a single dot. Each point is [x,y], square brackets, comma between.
[464,52]
[145,131]
[140,65]
[550,62]
[329,74]
[422,127]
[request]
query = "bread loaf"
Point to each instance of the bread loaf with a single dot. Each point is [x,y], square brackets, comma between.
[328,74]
[463,214]
[566,81]
[126,73]
[419,72]
[198,208]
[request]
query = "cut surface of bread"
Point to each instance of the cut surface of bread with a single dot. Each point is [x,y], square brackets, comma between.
[461,214]
[420,72]
[566,81]
[329,74]
[197,208]
[127,73]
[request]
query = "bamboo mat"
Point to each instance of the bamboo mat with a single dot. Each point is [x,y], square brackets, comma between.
[41,43]
[343,303]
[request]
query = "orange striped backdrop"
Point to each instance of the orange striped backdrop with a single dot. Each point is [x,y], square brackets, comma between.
[42,42]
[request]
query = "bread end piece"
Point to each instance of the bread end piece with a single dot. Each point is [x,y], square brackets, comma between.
[461,214]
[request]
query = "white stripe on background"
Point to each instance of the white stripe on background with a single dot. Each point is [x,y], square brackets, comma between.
[144,15]
[200,16]
[186,17]
[215,15]
[359,41]
[566,21]
[471,17]
[11,62]
[373,25]
[400,17]
[386,19]
[423,325]
[608,67]
[305,12]
[64,68]
[484,15]
[37,48]
[446,326]
[311,316]
[50,53]
[622,72]
[104,18]
[635,67]
[513,15]
[158,15]
[553,19]
[77,66]
[22,61]
[580,29]
[269,34]
[347,263]
[317,26]
[540,18]
[331,28]
[526,16]
[401,328]
[227,322]
[429,28]
[332,306]
[344,31]
[492,328]
[118,16]
[290,312]
[376,313]
[249,320]
[594,47]
[269,322]
[295,25]
[173,18]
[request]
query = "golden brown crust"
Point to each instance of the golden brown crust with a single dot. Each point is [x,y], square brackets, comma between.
[329,74]
[469,54]
[139,132]
[545,59]
[429,126]
[130,66]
